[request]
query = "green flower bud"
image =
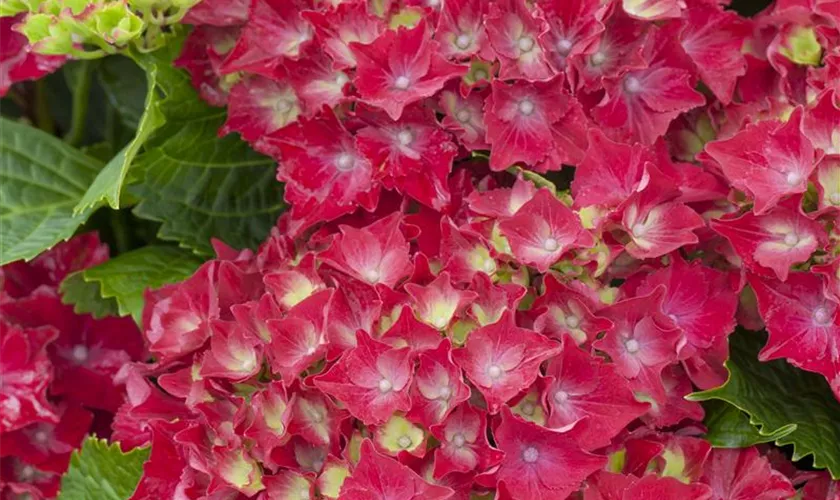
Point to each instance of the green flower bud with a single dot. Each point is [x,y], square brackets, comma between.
[47,34]
[116,23]
[802,47]
[10,8]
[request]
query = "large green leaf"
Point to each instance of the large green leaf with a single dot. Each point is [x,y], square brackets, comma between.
[86,297]
[794,406]
[109,183]
[126,277]
[41,180]
[125,87]
[197,184]
[102,472]
[729,427]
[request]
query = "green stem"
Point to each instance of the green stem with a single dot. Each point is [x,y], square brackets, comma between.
[122,238]
[43,117]
[81,96]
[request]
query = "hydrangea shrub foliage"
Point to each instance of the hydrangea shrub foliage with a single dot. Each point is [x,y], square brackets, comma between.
[420,249]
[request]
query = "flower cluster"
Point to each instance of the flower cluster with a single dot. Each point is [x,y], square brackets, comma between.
[432,318]
[18,62]
[57,369]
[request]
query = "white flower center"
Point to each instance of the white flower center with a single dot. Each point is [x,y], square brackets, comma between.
[80,353]
[385,385]
[345,162]
[632,84]
[440,322]
[41,436]
[495,371]
[530,455]
[341,79]
[632,346]
[489,266]
[402,82]
[304,495]
[463,116]
[572,321]
[526,107]
[405,137]
[638,229]
[597,58]
[526,44]
[550,245]
[445,393]
[564,46]
[404,442]
[561,397]
[791,239]
[822,316]
[458,440]
[480,74]
[282,106]
[793,178]
[372,276]
[528,408]
[463,41]
[27,472]
[834,198]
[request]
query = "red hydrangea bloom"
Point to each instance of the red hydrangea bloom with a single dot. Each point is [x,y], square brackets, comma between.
[820,123]
[258,106]
[401,67]
[741,474]
[698,299]
[713,39]
[565,309]
[518,118]
[437,303]
[543,230]
[322,168]
[17,60]
[540,463]
[579,387]
[514,30]
[414,154]
[502,359]
[775,240]
[275,30]
[377,477]
[574,27]
[640,105]
[298,339]
[337,28]
[27,372]
[801,320]
[437,387]
[642,341]
[374,254]
[610,172]
[373,379]
[464,446]
[767,160]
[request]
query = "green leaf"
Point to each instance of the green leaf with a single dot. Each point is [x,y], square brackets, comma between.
[729,427]
[85,297]
[127,276]
[41,180]
[794,406]
[109,183]
[125,86]
[197,184]
[102,472]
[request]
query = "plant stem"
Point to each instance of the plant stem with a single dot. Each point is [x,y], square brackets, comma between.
[122,238]
[43,117]
[81,96]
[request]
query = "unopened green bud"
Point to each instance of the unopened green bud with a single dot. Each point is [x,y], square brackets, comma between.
[10,8]
[116,23]
[802,47]
[47,34]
